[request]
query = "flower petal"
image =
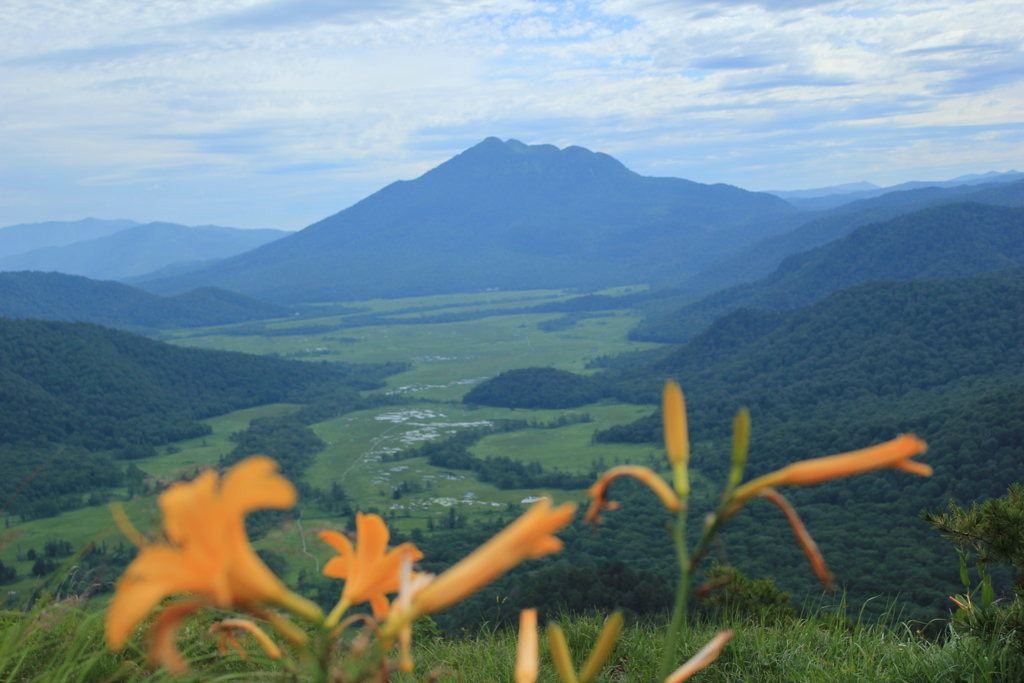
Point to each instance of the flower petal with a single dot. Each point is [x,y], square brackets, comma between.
[807,543]
[162,649]
[157,572]
[528,537]
[599,490]
[254,484]
[895,454]
[338,567]
[707,654]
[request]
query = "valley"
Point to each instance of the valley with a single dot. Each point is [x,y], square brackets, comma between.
[446,359]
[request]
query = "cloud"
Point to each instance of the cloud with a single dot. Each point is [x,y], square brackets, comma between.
[291,13]
[83,57]
[728,62]
[331,98]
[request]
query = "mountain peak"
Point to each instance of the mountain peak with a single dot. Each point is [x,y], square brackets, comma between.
[493,158]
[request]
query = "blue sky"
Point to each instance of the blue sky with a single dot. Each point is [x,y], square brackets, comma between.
[256,113]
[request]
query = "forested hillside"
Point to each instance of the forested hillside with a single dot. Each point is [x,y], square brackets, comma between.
[72,388]
[857,354]
[535,388]
[944,241]
[822,227]
[73,298]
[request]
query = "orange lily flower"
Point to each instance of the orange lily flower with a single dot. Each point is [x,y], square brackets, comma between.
[527,538]
[370,570]
[677,436]
[599,490]
[207,554]
[707,654]
[224,628]
[411,585]
[807,543]
[526,653]
[895,454]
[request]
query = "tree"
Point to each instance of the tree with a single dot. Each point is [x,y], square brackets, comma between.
[994,530]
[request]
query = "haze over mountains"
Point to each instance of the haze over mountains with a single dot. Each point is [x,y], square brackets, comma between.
[836,195]
[73,298]
[120,249]
[17,239]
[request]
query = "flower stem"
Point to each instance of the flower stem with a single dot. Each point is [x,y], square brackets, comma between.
[335,615]
[682,593]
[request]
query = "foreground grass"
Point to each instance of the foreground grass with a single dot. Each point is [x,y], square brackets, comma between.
[62,643]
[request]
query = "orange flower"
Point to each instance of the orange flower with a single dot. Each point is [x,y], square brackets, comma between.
[677,437]
[807,543]
[224,628]
[526,653]
[370,570]
[707,654]
[895,454]
[599,491]
[207,554]
[411,585]
[527,538]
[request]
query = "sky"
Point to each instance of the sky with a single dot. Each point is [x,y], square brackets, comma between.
[277,113]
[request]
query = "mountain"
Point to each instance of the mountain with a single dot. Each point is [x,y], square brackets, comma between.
[944,241]
[504,215]
[17,239]
[140,249]
[73,298]
[822,227]
[818,200]
[846,188]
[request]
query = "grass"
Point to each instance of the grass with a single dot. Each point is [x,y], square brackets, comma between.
[64,643]
[61,643]
[207,450]
[447,358]
[569,448]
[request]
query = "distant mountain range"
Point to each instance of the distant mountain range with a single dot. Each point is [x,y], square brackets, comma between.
[72,298]
[823,198]
[17,239]
[137,249]
[943,241]
[504,215]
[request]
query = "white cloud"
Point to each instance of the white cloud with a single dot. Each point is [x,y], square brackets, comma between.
[285,111]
